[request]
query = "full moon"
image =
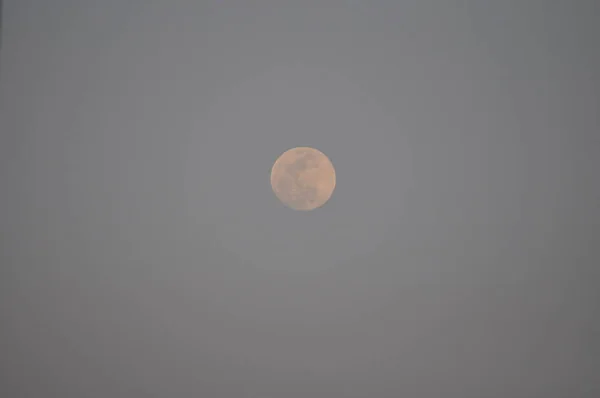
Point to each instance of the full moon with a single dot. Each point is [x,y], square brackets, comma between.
[303,178]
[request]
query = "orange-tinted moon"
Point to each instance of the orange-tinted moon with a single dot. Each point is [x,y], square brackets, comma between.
[303,178]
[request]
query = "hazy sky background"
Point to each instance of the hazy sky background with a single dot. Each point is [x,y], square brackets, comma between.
[143,253]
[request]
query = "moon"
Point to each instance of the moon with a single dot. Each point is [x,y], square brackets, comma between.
[303,178]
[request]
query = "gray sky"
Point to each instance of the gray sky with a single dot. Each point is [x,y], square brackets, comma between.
[143,253]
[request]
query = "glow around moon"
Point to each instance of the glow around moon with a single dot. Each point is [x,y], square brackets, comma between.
[303,178]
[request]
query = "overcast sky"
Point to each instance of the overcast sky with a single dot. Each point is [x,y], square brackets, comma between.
[144,254]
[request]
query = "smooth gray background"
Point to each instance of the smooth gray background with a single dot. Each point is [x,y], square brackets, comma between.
[143,253]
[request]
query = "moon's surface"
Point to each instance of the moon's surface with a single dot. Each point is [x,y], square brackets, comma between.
[303,178]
